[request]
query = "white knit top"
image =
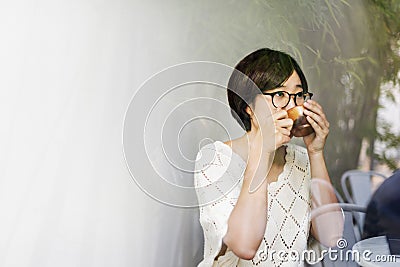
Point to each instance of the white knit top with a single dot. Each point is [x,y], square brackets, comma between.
[218,180]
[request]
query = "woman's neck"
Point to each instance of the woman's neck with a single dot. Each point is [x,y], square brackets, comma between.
[280,154]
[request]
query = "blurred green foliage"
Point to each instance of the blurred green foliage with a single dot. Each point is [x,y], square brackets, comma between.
[348,49]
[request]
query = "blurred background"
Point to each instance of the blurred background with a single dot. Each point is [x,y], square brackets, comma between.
[70,68]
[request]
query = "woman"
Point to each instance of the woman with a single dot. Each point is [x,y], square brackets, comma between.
[268,209]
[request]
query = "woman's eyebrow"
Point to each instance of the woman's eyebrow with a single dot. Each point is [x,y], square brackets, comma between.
[284,86]
[281,88]
[278,89]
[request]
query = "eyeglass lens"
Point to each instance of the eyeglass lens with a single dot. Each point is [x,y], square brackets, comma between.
[282,99]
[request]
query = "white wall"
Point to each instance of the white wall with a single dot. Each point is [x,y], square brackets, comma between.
[68,71]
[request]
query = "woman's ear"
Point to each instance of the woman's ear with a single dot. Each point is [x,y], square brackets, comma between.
[249,111]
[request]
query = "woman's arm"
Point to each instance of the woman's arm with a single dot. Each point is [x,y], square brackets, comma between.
[248,219]
[247,222]
[328,227]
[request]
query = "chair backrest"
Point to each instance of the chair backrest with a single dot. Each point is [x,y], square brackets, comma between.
[339,197]
[351,235]
[360,187]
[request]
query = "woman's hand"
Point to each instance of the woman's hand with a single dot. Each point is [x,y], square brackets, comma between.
[281,127]
[315,115]
[271,126]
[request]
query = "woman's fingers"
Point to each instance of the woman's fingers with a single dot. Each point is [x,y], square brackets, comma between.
[284,123]
[284,131]
[315,107]
[318,124]
[280,114]
[318,119]
[314,124]
[315,111]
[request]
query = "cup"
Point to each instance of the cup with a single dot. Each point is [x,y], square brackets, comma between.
[301,127]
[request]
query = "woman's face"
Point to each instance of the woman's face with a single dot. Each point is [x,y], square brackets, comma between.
[263,103]
[292,86]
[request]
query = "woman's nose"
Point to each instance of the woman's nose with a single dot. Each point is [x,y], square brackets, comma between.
[291,103]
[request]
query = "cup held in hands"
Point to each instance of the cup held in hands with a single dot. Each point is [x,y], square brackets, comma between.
[301,127]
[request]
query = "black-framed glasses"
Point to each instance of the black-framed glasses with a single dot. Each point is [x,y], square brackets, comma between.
[281,99]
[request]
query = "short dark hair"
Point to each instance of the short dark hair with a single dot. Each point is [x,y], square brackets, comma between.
[267,69]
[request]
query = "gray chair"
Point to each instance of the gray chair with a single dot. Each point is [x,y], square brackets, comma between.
[357,189]
[359,186]
[351,235]
[339,197]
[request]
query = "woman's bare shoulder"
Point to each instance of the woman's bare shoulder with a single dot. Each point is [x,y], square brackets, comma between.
[229,143]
